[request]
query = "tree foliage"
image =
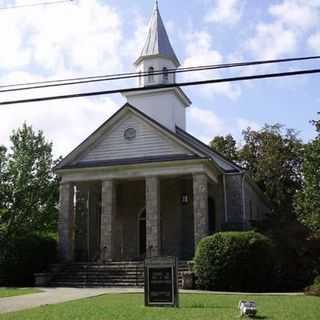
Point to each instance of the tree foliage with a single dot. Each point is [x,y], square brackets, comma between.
[288,172]
[308,199]
[28,188]
[273,157]
[226,146]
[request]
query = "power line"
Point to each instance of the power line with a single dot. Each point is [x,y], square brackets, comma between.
[122,76]
[163,86]
[36,4]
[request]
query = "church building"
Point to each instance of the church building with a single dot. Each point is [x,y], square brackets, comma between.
[141,185]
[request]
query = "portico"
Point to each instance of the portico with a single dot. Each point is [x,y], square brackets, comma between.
[140,210]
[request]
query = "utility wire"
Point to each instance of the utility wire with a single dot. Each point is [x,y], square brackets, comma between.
[122,76]
[36,4]
[164,86]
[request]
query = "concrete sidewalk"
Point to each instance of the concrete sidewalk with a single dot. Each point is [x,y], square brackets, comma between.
[54,296]
[59,295]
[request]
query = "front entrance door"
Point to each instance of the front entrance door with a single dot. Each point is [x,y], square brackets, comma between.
[142,234]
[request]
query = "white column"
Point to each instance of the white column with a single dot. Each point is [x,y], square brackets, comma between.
[153,216]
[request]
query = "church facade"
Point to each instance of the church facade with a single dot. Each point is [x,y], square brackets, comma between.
[141,185]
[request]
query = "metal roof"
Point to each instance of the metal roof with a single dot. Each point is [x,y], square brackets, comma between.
[158,43]
[225,164]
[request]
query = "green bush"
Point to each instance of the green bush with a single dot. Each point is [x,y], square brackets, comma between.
[234,261]
[23,256]
[314,290]
[297,256]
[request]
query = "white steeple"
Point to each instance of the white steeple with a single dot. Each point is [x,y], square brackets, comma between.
[166,105]
[157,43]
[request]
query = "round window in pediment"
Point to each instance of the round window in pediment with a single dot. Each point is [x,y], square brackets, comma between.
[130,134]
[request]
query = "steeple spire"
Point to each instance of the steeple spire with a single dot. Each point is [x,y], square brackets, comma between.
[157,43]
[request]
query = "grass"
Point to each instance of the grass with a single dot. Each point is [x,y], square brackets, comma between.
[11,292]
[192,306]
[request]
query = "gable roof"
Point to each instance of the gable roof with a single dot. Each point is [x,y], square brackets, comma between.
[152,133]
[197,149]
[157,42]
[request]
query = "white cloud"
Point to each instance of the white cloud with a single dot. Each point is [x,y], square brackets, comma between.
[82,36]
[291,21]
[51,42]
[272,41]
[132,47]
[244,124]
[207,118]
[296,13]
[226,11]
[205,124]
[199,51]
[67,123]
[314,42]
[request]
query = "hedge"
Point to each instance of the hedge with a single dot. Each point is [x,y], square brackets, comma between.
[23,256]
[234,261]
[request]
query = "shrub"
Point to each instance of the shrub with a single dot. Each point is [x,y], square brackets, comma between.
[234,261]
[297,255]
[314,290]
[23,256]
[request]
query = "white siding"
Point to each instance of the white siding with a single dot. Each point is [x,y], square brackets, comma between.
[148,142]
[164,106]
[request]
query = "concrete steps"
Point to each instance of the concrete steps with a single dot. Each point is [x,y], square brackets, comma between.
[112,274]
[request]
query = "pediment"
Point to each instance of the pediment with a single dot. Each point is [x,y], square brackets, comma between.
[128,135]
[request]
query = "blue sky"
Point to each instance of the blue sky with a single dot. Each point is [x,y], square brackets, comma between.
[90,37]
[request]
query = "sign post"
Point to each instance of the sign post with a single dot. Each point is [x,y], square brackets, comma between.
[161,282]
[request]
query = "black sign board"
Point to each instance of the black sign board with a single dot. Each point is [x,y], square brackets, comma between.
[161,284]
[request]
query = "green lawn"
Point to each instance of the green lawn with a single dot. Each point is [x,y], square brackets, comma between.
[193,306]
[11,292]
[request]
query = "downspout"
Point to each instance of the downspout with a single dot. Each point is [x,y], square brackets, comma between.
[225,199]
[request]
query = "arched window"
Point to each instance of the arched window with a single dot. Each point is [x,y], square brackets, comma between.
[165,74]
[151,74]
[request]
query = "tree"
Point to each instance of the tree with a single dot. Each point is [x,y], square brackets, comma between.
[308,199]
[3,186]
[3,175]
[226,146]
[29,188]
[273,158]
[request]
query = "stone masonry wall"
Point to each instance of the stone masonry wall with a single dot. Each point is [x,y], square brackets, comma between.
[108,207]
[153,216]
[234,200]
[200,209]
[65,223]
